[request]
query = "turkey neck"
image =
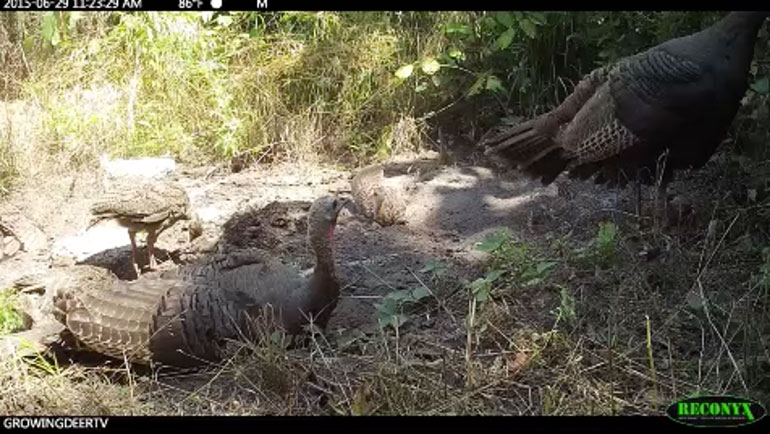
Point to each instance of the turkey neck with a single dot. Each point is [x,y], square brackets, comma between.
[740,29]
[743,22]
[321,239]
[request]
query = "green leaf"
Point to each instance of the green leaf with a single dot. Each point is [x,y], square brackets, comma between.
[477,284]
[606,235]
[278,338]
[387,306]
[395,320]
[405,71]
[430,66]
[761,86]
[420,293]
[457,28]
[529,28]
[492,242]
[480,289]
[48,27]
[493,275]
[494,84]
[542,267]
[56,38]
[504,18]
[537,17]
[533,281]
[478,85]
[431,267]
[224,20]
[505,39]
[456,54]
[399,295]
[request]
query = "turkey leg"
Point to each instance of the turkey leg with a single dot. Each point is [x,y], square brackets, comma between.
[132,236]
[151,238]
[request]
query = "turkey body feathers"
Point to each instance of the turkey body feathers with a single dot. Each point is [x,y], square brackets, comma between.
[679,96]
[168,321]
[149,204]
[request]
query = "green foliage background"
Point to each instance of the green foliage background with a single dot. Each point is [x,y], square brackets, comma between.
[346,86]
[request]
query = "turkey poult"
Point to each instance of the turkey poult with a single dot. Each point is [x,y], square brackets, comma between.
[183,317]
[152,207]
[385,204]
[668,107]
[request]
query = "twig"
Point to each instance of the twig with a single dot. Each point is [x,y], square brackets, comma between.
[726,347]
[377,276]
[652,363]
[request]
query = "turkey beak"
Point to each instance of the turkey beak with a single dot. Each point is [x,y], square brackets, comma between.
[195,227]
[342,203]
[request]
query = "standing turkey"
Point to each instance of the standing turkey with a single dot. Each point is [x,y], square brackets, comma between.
[668,107]
[152,207]
[183,317]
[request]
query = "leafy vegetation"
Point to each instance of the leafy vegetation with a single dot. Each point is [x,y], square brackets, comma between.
[390,309]
[347,85]
[10,318]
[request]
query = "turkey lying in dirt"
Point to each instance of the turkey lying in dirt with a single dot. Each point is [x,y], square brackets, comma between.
[152,207]
[376,199]
[183,317]
[668,107]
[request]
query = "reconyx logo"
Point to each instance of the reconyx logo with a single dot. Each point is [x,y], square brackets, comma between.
[715,411]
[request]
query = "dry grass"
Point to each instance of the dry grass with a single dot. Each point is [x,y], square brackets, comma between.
[38,387]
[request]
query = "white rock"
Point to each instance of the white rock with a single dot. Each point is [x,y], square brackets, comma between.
[152,168]
[103,236]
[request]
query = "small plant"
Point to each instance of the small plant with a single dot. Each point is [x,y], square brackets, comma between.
[389,311]
[516,259]
[605,239]
[481,287]
[602,250]
[605,244]
[435,269]
[566,309]
[11,319]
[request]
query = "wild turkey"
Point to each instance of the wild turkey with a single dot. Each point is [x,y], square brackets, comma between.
[9,242]
[374,199]
[183,317]
[673,103]
[153,207]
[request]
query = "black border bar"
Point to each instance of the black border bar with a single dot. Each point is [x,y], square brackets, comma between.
[647,424]
[339,5]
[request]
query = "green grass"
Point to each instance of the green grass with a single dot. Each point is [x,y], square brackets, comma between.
[205,88]
[10,319]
